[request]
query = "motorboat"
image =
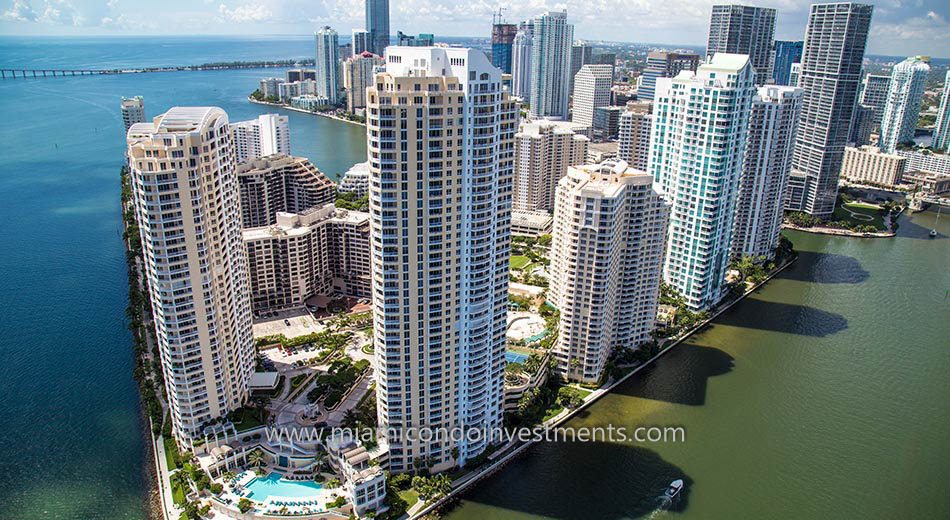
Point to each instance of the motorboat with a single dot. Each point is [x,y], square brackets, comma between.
[675,487]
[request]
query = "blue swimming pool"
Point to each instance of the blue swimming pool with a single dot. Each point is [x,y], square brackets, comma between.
[515,357]
[274,485]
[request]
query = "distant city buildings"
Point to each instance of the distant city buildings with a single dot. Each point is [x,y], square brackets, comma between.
[280,184]
[862,125]
[606,124]
[269,134]
[773,122]
[742,29]
[550,78]
[870,165]
[795,75]
[377,25]
[543,152]
[906,91]
[194,263]
[319,251]
[133,111]
[361,42]
[270,87]
[634,134]
[328,65]
[785,54]
[830,77]
[606,262]
[358,74]
[662,64]
[698,144]
[591,89]
[294,75]
[926,161]
[440,248]
[407,40]
[874,91]
[581,54]
[941,137]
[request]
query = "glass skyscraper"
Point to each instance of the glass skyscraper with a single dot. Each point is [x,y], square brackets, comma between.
[786,53]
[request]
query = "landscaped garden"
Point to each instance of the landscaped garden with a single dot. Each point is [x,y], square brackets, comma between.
[340,376]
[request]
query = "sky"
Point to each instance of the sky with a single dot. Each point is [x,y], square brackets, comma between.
[899,27]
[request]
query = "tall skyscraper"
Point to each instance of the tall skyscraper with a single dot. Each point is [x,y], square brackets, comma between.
[831,69]
[662,64]
[941,138]
[862,124]
[377,24]
[357,76]
[742,29]
[186,205]
[874,90]
[361,42]
[634,134]
[133,111]
[785,54]
[256,138]
[543,152]
[607,258]
[522,49]
[581,54]
[899,121]
[328,64]
[502,40]
[773,122]
[280,184]
[550,65]
[441,213]
[697,151]
[795,75]
[591,90]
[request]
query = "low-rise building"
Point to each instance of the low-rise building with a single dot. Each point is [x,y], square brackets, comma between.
[288,91]
[309,102]
[530,223]
[362,469]
[869,164]
[925,160]
[931,183]
[600,152]
[356,180]
[323,250]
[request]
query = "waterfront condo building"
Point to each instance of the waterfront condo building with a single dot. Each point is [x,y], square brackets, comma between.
[522,48]
[256,138]
[320,251]
[743,29]
[440,133]
[358,74]
[871,165]
[591,90]
[662,64]
[377,24]
[773,121]
[785,53]
[607,260]
[697,151]
[543,151]
[133,111]
[831,70]
[634,134]
[941,138]
[906,91]
[328,64]
[550,78]
[280,183]
[187,209]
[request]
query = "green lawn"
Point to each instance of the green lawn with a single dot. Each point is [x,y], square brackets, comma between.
[178,495]
[863,209]
[170,449]
[245,419]
[518,262]
[411,496]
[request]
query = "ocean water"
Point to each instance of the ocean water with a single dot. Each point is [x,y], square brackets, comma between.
[70,428]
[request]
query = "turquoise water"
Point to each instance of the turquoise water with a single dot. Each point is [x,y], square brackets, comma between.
[274,486]
[515,357]
[70,428]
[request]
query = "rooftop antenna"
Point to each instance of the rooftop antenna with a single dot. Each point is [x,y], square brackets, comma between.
[497,18]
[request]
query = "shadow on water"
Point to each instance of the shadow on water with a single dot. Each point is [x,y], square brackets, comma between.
[825,268]
[754,313]
[910,229]
[680,376]
[638,479]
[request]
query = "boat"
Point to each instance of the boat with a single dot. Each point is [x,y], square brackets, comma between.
[675,487]
[933,232]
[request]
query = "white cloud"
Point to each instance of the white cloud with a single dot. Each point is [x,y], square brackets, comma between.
[246,13]
[19,12]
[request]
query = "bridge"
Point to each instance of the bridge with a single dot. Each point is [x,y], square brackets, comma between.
[46,73]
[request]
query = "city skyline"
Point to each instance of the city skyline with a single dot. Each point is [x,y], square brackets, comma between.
[921,27]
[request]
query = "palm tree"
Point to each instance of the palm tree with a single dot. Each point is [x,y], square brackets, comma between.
[350,420]
[256,458]
[260,404]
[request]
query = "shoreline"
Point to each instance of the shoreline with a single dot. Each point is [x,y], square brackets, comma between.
[470,479]
[302,111]
[821,230]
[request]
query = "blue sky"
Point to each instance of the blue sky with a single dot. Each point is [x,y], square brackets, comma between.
[900,27]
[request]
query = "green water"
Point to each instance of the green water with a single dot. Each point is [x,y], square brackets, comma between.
[822,396]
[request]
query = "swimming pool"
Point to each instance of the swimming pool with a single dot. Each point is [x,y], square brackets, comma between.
[274,485]
[512,356]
